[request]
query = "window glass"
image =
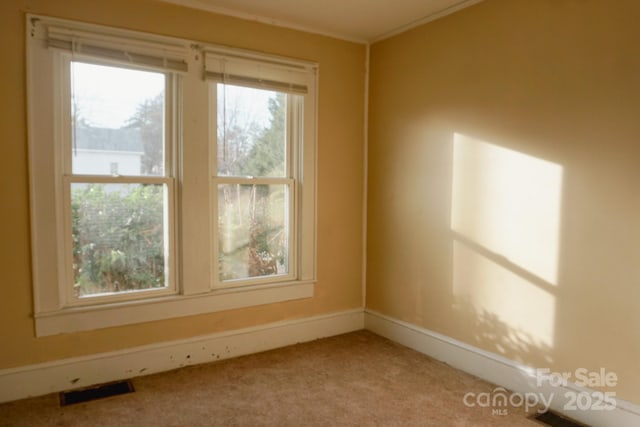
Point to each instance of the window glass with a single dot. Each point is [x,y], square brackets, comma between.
[117,120]
[251,132]
[119,237]
[253,227]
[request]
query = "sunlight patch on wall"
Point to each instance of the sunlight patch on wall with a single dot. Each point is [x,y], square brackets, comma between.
[509,203]
[528,311]
[505,222]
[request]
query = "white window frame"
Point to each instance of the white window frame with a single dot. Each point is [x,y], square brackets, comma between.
[189,178]
[293,77]
[63,116]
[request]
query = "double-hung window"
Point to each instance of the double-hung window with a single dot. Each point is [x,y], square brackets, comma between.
[123,126]
[118,179]
[259,111]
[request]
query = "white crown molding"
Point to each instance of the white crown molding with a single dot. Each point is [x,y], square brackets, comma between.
[197,4]
[206,6]
[425,19]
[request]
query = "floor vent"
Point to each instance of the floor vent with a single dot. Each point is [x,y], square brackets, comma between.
[95,392]
[552,419]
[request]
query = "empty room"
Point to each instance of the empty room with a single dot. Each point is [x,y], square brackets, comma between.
[349,212]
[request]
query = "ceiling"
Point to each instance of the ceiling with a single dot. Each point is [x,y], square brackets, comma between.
[361,21]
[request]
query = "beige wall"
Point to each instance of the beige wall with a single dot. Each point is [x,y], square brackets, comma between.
[340,171]
[504,182]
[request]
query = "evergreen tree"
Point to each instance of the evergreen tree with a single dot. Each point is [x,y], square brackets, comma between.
[149,119]
[267,156]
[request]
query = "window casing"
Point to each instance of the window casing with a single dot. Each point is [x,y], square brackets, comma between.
[188,271]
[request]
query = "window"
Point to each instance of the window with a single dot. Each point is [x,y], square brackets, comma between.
[254,184]
[131,205]
[120,219]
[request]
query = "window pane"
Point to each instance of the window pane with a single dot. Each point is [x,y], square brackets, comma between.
[117,119]
[253,230]
[119,237]
[251,132]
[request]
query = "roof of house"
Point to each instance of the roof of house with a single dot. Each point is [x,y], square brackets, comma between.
[107,139]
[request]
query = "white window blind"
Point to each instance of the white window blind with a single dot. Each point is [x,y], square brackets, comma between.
[260,72]
[141,53]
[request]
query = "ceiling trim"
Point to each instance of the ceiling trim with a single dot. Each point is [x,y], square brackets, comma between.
[202,5]
[196,4]
[425,19]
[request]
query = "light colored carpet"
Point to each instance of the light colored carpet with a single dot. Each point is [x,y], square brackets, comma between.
[356,379]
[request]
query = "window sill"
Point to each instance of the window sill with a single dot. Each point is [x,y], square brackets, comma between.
[77,319]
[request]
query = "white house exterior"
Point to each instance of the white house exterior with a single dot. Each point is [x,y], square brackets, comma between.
[104,151]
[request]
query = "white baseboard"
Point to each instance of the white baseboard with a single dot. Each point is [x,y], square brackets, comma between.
[499,370]
[50,377]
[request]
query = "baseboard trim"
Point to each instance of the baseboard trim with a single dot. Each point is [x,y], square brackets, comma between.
[497,369]
[50,377]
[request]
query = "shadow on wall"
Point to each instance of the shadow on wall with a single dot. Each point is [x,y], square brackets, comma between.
[492,333]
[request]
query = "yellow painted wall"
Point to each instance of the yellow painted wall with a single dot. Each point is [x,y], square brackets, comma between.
[340,171]
[504,182]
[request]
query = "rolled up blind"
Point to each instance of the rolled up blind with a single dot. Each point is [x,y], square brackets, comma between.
[259,72]
[142,53]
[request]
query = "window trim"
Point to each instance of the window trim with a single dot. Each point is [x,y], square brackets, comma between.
[195,295]
[87,318]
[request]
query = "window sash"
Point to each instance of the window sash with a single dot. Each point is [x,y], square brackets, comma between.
[68,178]
[169,230]
[293,114]
[171,95]
[291,212]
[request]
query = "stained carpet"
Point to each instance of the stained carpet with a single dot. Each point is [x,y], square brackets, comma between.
[356,379]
